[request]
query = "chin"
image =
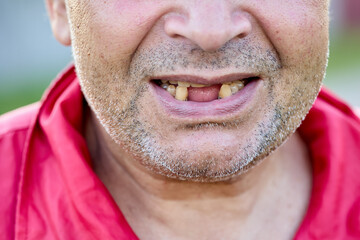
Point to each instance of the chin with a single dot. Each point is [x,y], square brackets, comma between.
[214,164]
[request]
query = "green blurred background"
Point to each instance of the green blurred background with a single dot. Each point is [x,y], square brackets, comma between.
[30,57]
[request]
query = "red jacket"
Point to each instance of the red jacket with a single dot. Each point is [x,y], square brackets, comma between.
[49,191]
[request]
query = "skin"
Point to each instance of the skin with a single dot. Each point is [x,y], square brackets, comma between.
[148,159]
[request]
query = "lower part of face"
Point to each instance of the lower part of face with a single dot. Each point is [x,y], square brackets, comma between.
[116,57]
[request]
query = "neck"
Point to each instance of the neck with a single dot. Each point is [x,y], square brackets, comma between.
[161,208]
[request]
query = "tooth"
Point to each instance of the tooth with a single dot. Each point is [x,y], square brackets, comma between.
[164,81]
[197,85]
[173,82]
[183,84]
[181,93]
[225,91]
[172,90]
[240,84]
[165,85]
[234,88]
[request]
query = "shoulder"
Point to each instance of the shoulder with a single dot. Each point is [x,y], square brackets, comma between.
[18,120]
[328,108]
[357,111]
[330,123]
[14,129]
[331,132]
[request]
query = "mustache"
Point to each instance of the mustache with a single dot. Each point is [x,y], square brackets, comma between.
[167,58]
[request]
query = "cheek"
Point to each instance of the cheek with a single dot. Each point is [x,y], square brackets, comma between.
[119,27]
[298,29]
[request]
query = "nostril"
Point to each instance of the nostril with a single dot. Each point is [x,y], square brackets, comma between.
[241,35]
[176,36]
[241,23]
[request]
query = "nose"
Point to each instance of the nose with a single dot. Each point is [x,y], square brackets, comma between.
[208,24]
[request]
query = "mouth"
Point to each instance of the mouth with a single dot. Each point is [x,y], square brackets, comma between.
[191,96]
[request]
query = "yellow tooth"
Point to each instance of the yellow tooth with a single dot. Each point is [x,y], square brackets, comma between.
[173,82]
[240,84]
[183,84]
[234,88]
[172,90]
[165,85]
[164,81]
[225,91]
[181,93]
[197,85]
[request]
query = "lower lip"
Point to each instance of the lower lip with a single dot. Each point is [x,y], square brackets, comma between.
[217,108]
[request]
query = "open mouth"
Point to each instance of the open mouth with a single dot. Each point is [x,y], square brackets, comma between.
[191,97]
[189,91]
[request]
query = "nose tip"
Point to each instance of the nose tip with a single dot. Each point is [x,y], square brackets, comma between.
[209,28]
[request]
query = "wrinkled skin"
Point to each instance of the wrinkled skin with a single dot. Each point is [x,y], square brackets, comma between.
[120,45]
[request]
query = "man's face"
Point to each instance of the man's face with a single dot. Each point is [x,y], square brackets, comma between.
[124,48]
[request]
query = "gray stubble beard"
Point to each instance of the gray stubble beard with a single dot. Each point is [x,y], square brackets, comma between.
[123,123]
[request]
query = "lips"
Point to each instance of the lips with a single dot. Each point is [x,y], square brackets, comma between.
[189,97]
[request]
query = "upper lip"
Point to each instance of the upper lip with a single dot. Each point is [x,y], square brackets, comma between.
[205,80]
